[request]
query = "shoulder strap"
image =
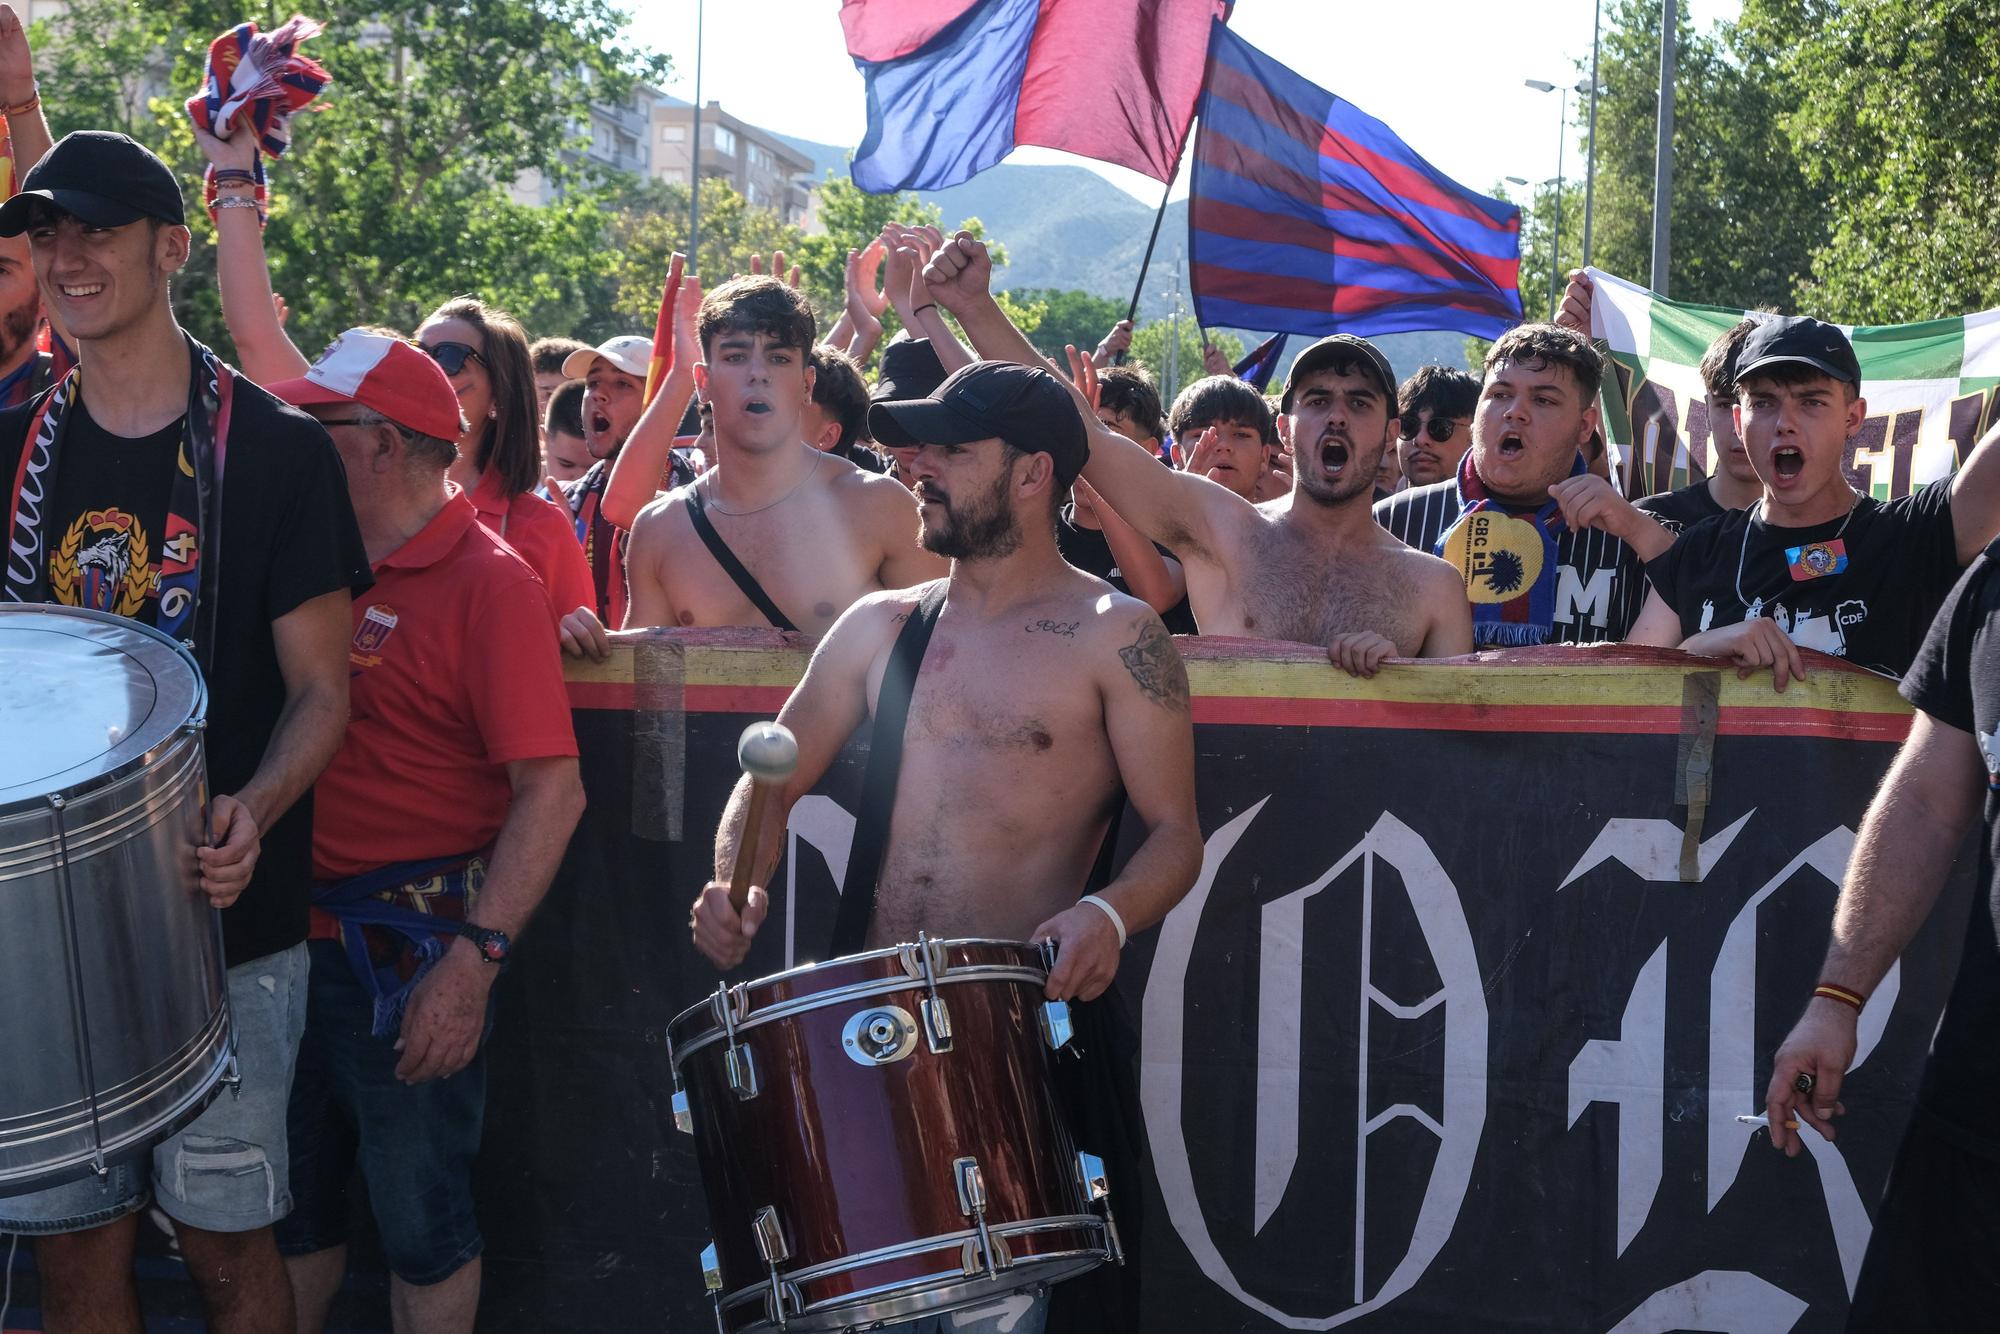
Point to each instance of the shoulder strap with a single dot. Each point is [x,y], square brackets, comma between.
[885,766]
[697,510]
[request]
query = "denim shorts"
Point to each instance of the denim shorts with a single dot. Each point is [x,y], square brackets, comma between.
[414,1143]
[227,1170]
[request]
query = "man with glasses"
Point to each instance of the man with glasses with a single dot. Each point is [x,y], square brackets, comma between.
[440,824]
[1435,429]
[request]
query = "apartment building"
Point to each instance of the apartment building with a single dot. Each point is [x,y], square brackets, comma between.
[761,167]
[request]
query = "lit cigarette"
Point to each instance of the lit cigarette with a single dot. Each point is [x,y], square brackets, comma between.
[1762,1120]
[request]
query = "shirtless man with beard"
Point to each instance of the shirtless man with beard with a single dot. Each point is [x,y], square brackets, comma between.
[1311,566]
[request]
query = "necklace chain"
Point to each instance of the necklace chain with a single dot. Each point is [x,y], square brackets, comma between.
[1757,508]
[742,514]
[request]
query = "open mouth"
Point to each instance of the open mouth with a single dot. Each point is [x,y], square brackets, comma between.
[757,406]
[1787,462]
[1512,446]
[82,290]
[600,424]
[1333,456]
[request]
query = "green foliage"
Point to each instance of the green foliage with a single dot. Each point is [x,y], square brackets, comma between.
[1538,221]
[1150,344]
[395,195]
[1076,318]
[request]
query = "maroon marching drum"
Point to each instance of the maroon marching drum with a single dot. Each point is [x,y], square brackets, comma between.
[880,1138]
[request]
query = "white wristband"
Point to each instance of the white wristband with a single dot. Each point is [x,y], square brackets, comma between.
[1108,911]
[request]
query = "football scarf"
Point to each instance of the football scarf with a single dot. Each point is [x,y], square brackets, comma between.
[187,581]
[395,923]
[259,82]
[1508,560]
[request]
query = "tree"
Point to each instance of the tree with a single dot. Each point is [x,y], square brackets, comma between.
[1076,318]
[1150,344]
[1538,209]
[650,222]
[395,195]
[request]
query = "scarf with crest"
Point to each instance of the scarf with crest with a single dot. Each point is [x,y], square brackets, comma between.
[258,81]
[188,553]
[1508,559]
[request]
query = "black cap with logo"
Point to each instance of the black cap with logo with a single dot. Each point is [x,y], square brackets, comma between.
[101,178]
[1800,339]
[1337,348]
[1023,405]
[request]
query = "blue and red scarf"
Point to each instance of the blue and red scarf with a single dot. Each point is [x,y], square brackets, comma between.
[396,922]
[259,82]
[1508,559]
[189,554]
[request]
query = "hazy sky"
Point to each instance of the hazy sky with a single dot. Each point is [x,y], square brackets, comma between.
[782,64]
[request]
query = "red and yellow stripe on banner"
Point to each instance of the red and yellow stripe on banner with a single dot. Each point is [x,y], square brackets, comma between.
[1239,682]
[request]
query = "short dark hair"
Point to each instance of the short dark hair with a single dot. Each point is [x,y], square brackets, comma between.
[1790,374]
[549,354]
[758,305]
[510,444]
[839,389]
[1222,399]
[1128,391]
[1540,346]
[1718,364]
[1446,390]
[566,408]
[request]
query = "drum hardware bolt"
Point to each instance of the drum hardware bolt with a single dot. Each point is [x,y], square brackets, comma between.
[711,1282]
[1056,1029]
[1090,1175]
[683,1114]
[992,1255]
[736,1060]
[931,961]
[879,1036]
[770,1237]
[937,1024]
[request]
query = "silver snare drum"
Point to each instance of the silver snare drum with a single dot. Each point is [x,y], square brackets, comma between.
[115,999]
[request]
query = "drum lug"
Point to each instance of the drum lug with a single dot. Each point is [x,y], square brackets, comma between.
[1090,1175]
[726,1004]
[711,1282]
[1056,1028]
[771,1245]
[924,961]
[683,1114]
[937,1024]
[742,1068]
[985,1253]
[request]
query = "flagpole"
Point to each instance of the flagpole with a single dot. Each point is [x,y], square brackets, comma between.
[1146,262]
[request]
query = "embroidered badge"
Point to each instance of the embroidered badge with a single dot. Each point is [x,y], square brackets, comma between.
[377,624]
[1816,560]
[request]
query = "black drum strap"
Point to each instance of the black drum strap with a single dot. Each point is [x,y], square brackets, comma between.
[697,510]
[885,766]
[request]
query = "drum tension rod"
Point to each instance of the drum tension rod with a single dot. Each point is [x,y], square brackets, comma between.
[929,961]
[1090,1175]
[991,1254]
[737,1060]
[771,1245]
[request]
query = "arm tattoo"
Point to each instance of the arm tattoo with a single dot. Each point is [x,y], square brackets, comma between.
[1156,665]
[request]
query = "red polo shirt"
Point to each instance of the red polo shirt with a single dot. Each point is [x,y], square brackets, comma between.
[453,671]
[543,535]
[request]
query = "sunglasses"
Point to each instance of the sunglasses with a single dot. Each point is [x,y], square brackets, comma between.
[452,356]
[1439,429]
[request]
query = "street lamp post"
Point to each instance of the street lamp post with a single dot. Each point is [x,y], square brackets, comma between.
[1555,236]
[1555,259]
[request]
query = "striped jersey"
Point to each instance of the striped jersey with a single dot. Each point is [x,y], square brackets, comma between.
[1600,582]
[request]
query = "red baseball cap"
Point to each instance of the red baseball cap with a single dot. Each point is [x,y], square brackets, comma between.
[391,376]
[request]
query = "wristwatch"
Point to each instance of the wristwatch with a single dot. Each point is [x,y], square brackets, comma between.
[493,946]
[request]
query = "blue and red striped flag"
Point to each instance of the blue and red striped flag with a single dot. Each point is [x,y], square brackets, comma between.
[1309,216]
[955,85]
[1262,363]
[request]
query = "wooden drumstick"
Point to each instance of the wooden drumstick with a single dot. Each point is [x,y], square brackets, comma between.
[769,753]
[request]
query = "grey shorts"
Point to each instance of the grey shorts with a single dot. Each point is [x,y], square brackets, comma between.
[226,1171]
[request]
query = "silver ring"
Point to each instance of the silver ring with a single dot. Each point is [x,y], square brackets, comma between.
[1804,1083]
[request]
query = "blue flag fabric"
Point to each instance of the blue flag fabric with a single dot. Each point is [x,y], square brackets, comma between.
[1309,216]
[1262,362]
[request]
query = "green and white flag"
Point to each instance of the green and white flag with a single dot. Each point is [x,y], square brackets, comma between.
[1929,389]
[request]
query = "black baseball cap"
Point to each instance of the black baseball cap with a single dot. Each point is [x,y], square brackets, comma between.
[1023,405]
[103,178]
[910,369]
[1800,339]
[1340,347]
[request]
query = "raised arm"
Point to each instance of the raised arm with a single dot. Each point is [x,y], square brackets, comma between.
[829,703]
[860,326]
[1146,715]
[1975,498]
[1175,509]
[909,252]
[263,348]
[636,472]
[1156,580]
[26,124]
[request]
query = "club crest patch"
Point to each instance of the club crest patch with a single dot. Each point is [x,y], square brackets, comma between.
[1498,555]
[377,624]
[1816,560]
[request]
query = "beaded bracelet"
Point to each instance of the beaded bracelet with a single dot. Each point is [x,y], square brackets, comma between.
[1845,995]
[234,176]
[34,102]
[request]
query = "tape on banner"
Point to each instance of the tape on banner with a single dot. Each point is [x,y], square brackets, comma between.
[659,739]
[1694,765]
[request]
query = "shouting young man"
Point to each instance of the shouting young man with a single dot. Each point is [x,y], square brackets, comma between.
[1548,552]
[1310,566]
[1814,564]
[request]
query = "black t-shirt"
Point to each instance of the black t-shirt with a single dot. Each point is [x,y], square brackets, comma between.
[1600,585]
[1956,680]
[1086,549]
[288,535]
[861,457]
[1678,511]
[1901,559]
